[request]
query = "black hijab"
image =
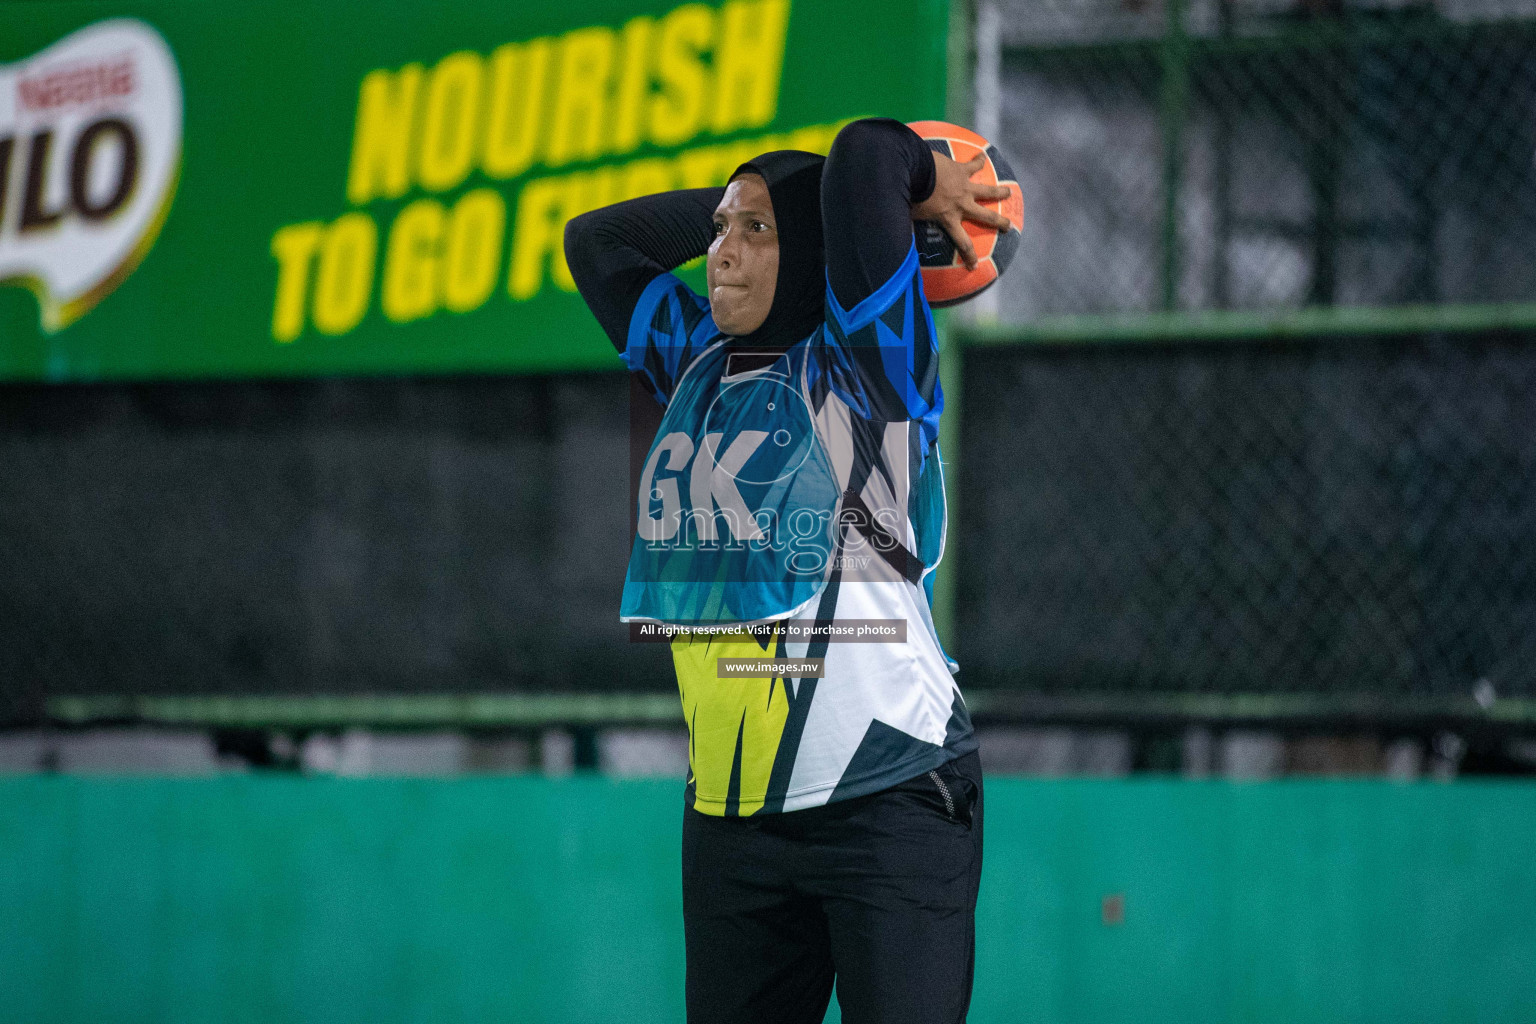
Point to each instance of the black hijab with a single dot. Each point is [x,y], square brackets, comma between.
[794,186]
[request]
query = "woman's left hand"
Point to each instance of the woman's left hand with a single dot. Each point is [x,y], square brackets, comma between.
[956,199]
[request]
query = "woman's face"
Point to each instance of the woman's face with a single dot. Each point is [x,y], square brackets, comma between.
[743,266]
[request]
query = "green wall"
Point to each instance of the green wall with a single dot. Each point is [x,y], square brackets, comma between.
[275,898]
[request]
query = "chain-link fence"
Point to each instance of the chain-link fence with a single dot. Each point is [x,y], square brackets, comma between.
[342,538]
[1352,523]
[1312,496]
[1262,154]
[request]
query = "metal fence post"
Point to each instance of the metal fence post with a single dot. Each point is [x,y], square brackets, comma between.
[1173,110]
[957,104]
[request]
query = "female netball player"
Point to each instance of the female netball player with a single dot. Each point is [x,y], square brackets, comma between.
[832,822]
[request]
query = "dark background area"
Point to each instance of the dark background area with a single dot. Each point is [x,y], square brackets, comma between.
[1339,517]
[330,536]
[1336,516]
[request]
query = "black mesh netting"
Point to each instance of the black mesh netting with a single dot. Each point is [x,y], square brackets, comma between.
[1341,516]
[330,536]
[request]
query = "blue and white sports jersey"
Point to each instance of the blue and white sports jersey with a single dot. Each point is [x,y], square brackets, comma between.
[807,489]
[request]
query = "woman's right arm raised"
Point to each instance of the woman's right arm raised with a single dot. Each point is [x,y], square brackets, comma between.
[616,251]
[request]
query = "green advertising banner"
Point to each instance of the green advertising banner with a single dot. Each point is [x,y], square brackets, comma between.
[290,187]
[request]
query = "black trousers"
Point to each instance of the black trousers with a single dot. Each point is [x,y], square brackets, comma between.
[878,892]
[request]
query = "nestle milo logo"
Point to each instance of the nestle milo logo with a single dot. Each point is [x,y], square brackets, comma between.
[90,146]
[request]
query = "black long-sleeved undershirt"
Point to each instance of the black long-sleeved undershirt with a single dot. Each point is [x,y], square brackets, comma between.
[615,251]
[876,170]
